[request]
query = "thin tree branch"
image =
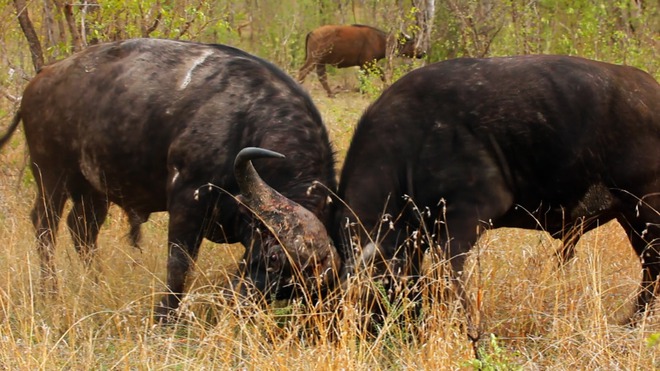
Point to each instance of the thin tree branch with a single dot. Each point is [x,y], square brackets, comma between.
[11,97]
[30,34]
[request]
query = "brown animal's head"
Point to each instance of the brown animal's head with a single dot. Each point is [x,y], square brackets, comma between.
[406,46]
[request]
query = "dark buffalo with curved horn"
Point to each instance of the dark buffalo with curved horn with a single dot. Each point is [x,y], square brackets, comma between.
[348,46]
[470,144]
[147,124]
[298,236]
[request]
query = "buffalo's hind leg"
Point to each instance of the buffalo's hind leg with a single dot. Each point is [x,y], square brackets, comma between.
[305,70]
[323,78]
[88,213]
[45,216]
[640,218]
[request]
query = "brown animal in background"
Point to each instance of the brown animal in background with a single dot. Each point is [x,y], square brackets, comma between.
[348,46]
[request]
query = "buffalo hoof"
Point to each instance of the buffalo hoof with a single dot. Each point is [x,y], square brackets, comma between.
[164,314]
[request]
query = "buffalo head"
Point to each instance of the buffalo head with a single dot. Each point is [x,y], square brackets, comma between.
[296,248]
[406,46]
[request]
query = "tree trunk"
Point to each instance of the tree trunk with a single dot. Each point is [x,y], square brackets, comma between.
[67,10]
[76,40]
[31,36]
[51,37]
[424,18]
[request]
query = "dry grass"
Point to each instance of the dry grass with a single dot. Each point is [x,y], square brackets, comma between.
[541,317]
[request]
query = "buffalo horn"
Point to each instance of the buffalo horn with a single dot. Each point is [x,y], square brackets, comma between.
[298,231]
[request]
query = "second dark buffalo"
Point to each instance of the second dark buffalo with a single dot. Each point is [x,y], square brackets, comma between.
[531,141]
[155,125]
[348,46]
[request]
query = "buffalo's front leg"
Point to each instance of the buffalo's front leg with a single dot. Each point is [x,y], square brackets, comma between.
[184,238]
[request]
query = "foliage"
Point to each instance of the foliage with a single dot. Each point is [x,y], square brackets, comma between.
[617,31]
[653,339]
[494,359]
[367,77]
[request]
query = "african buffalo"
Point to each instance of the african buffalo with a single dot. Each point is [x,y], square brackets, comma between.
[470,144]
[348,46]
[155,125]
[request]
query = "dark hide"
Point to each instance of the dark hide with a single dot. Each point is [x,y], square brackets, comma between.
[146,124]
[505,142]
[348,46]
[303,244]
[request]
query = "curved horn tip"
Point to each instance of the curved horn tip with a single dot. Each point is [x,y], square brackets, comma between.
[251,153]
[248,154]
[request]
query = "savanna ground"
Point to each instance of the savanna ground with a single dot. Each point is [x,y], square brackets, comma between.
[534,315]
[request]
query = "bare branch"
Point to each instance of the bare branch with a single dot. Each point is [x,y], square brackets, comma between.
[189,22]
[11,97]
[30,34]
[146,32]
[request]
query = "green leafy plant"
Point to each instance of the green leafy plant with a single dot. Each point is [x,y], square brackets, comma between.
[493,358]
[369,79]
